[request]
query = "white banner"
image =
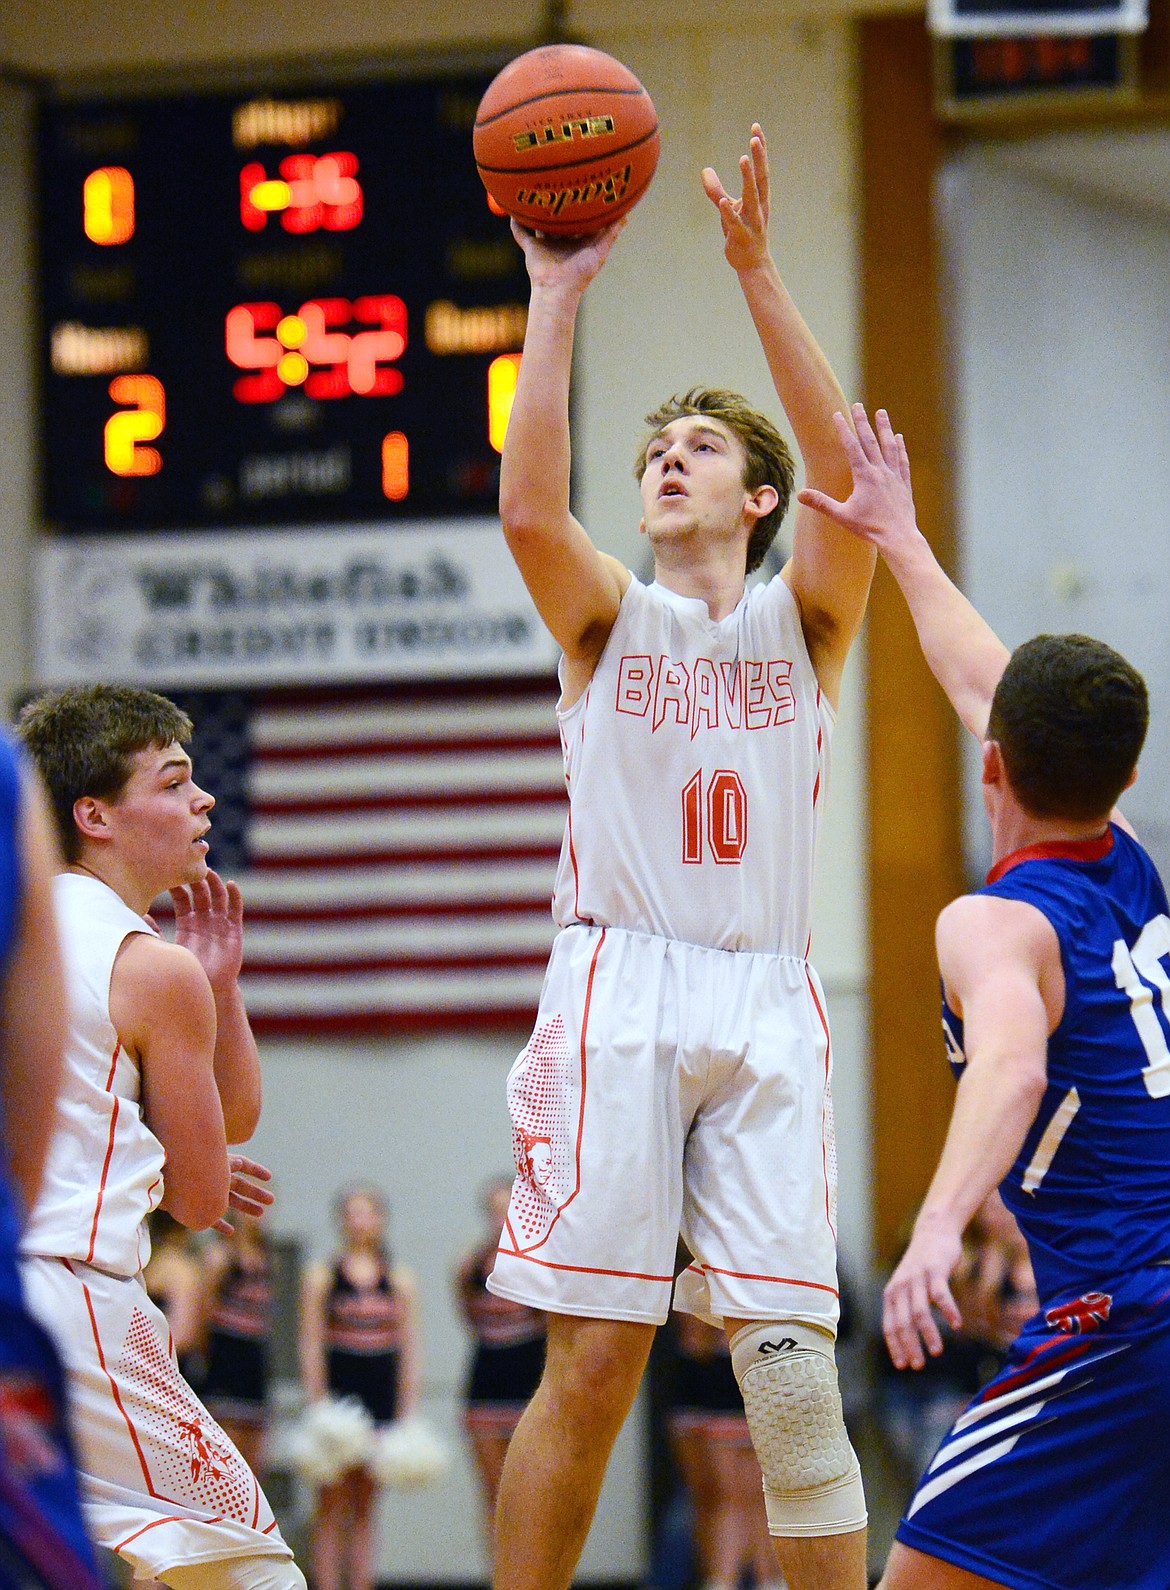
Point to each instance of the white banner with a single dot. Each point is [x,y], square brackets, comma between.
[988,19]
[264,607]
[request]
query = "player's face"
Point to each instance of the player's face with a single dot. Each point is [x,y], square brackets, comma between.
[161,818]
[693,483]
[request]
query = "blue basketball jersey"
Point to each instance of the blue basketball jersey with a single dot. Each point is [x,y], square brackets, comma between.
[1091,1186]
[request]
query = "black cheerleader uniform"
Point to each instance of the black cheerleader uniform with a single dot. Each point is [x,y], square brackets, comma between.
[704,1394]
[363,1342]
[236,1384]
[509,1352]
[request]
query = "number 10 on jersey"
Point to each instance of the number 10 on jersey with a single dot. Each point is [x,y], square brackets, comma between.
[714,818]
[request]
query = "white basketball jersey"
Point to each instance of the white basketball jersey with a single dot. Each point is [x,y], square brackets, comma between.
[696,761]
[104,1170]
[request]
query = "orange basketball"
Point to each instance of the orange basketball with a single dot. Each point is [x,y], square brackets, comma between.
[566,139]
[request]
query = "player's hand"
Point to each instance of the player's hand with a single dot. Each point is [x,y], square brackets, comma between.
[244,1194]
[880,508]
[744,220]
[918,1286]
[570,262]
[209,921]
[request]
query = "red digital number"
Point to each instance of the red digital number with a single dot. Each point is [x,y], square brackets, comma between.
[312,191]
[309,349]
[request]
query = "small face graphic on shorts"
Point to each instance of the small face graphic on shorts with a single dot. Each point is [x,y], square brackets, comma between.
[537,1160]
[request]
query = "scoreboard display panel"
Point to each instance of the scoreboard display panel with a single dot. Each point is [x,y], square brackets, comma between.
[272,308]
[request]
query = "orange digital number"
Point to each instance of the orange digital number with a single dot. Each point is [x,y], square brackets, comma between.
[108,205]
[143,418]
[502,376]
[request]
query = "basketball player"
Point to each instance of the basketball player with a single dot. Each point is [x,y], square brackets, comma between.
[160,1067]
[1054,980]
[679,1070]
[43,1541]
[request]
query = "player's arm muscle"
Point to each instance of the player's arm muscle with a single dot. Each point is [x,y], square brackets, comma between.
[576,588]
[997,963]
[828,573]
[1000,963]
[164,1012]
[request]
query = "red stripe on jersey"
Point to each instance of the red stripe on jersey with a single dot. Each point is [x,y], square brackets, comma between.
[102,1185]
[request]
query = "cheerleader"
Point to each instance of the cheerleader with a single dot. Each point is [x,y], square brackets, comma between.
[713,1450]
[507,1359]
[238,1301]
[359,1339]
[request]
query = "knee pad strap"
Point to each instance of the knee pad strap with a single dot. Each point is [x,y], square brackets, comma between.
[812,1480]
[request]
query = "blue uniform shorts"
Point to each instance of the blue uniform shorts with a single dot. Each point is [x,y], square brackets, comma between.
[1057,1475]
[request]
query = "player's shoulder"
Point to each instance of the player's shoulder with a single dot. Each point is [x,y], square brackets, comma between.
[982,929]
[155,981]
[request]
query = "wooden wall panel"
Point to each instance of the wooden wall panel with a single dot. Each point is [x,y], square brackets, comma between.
[915,855]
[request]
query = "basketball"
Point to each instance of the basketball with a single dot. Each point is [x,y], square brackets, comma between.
[565,139]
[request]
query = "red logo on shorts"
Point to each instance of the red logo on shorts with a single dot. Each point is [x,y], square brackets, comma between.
[1087,1313]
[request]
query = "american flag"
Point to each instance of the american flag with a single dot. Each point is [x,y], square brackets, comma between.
[395,845]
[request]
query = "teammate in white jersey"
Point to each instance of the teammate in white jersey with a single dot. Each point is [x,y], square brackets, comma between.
[679,1073]
[161,1075]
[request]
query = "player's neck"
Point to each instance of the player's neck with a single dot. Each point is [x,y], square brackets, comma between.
[1015,829]
[132,890]
[717,580]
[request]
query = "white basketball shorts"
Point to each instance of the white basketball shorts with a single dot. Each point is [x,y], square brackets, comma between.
[669,1087]
[161,1484]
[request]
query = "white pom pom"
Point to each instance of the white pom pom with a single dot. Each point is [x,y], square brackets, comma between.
[331,1437]
[407,1455]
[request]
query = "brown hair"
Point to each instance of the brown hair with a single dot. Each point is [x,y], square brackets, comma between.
[769,457]
[84,740]
[1069,716]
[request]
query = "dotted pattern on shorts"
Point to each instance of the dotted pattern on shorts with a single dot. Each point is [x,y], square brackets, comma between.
[830,1141]
[794,1413]
[190,1460]
[544,1103]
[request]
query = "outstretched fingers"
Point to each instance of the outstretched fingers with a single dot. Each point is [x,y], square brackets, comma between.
[758,145]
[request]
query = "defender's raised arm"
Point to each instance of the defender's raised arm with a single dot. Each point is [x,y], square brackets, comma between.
[964,653]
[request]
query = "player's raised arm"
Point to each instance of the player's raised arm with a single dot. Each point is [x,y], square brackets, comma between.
[829,571]
[576,588]
[964,653]
[1000,963]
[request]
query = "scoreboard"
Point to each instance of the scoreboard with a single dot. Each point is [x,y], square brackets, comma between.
[280,308]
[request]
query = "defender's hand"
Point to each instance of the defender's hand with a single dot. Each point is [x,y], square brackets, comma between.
[880,508]
[209,921]
[918,1286]
[744,220]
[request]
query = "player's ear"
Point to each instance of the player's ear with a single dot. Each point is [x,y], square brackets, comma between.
[1132,776]
[89,814]
[993,769]
[761,501]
